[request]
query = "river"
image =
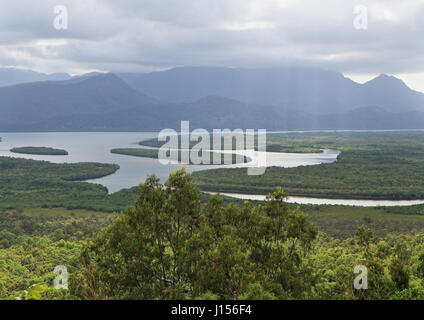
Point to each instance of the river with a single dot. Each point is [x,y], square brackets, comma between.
[96,146]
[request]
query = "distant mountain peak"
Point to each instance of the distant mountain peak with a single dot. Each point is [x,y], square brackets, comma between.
[89,75]
[385,79]
[97,76]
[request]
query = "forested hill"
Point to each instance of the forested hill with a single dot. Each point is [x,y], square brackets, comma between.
[28,104]
[309,90]
[105,102]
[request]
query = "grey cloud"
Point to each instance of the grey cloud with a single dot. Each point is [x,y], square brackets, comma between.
[153,34]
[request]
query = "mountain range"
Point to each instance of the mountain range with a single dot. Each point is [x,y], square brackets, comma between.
[12,76]
[274,99]
[304,89]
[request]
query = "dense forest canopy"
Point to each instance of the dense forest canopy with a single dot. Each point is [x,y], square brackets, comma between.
[170,245]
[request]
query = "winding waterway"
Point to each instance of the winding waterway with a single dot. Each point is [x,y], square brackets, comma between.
[322,201]
[96,146]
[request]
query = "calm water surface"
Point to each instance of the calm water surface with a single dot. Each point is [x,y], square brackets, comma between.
[322,201]
[96,146]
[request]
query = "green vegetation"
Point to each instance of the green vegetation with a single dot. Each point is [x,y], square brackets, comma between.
[29,183]
[169,246]
[151,153]
[292,143]
[155,143]
[172,246]
[54,223]
[342,221]
[34,241]
[274,144]
[176,243]
[144,153]
[40,151]
[370,166]
[407,210]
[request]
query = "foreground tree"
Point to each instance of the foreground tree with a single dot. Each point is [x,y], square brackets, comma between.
[171,246]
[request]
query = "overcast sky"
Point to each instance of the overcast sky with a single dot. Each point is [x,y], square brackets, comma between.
[146,35]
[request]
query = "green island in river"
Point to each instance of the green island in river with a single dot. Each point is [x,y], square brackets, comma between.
[45,151]
[273,144]
[154,154]
[28,183]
